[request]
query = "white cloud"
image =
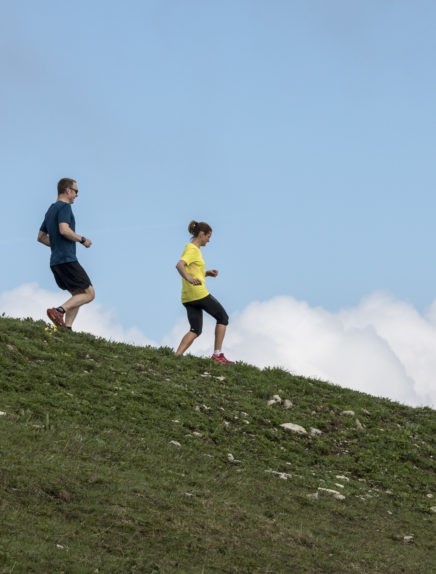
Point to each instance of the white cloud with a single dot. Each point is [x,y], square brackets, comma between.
[431,314]
[31,301]
[382,346]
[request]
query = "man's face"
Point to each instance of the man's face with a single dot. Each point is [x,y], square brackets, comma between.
[72,192]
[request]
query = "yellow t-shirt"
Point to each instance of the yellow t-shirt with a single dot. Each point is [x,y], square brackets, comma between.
[196,267]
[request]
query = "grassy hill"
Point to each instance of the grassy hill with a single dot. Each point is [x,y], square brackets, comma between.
[123,459]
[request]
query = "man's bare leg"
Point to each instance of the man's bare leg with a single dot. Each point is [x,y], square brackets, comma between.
[73,304]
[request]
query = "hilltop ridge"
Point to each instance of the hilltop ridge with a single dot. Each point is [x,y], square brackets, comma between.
[117,458]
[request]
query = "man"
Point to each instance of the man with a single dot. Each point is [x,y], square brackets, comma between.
[58,231]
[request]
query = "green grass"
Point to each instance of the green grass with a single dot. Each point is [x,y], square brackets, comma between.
[92,482]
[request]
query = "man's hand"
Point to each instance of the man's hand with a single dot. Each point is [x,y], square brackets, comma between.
[43,238]
[212,273]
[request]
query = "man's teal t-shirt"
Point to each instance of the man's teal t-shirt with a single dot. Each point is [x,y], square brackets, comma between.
[62,250]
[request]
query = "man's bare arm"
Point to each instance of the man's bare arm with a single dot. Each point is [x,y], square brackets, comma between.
[68,233]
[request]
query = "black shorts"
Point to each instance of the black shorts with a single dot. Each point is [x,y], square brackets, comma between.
[71,277]
[210,305]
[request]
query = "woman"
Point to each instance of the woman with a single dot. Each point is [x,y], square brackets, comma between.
[195,296]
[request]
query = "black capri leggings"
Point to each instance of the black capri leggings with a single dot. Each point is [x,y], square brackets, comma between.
[210,305]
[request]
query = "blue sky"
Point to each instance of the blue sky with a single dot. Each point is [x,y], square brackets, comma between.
[302,131]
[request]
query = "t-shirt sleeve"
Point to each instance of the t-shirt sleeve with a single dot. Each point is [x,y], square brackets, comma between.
[43,227]
[65,214]
[188,255]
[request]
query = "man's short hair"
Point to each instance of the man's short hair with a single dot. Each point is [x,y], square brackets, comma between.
[64,183]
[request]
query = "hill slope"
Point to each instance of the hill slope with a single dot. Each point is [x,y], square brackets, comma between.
[123,459]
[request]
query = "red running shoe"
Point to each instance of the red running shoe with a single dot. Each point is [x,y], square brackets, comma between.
[56,317]
[221,359]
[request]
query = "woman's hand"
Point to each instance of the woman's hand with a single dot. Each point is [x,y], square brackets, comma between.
[212,273]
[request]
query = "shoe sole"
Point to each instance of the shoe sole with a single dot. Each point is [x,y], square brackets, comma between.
[221,362]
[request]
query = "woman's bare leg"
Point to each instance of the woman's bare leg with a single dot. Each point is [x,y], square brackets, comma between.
[186,342]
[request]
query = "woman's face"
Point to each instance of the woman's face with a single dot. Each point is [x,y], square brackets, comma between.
[204,237]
